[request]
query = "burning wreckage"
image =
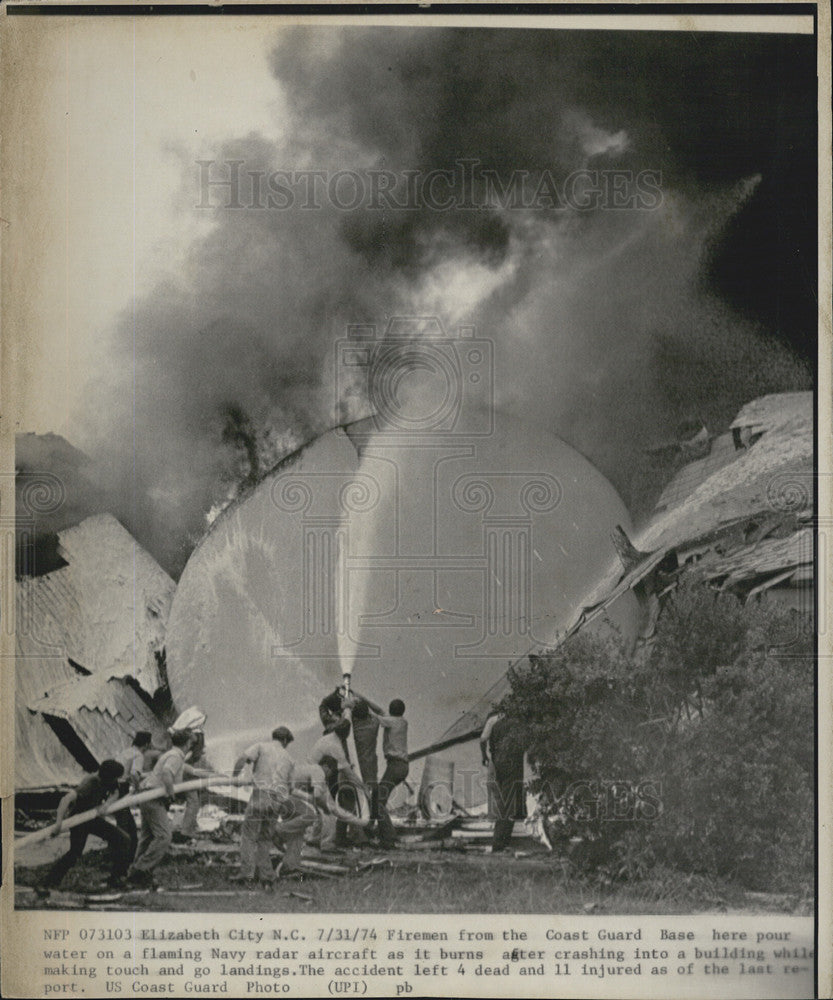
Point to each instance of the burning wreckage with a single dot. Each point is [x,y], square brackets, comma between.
[89,655]
[92,633]
[740,518]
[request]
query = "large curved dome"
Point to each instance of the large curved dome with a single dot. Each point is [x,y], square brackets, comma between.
[422,564]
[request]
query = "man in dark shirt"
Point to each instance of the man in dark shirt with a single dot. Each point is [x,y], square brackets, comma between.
[94,792]
[395,749]
[366,738]
[499,742]
[330,711]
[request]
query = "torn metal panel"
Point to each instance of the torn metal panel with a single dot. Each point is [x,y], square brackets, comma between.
[104,710]
[124,595]
[770,582]
[101,692]
[628,554]
[775,410]
[774,475]
[770,556]
[37,672]
[105,611]
[740,513]
[723,450]
[107,608]
[613,586]
[41,759]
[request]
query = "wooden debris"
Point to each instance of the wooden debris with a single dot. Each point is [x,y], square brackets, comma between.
[478,824]
[311,873]
[484,830]
[374,863]
[61,900]
[427,845]
[316,854]
[441,832]
[201,892]
[204,847]
[321,866]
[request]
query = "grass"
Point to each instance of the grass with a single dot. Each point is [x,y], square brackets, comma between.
[434,882]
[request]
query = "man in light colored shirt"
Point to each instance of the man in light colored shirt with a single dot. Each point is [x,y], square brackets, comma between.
[133,761]
[316,807]
[272,769]
[157,832]
[395,749]
[331,745]
[328,753]
[486,734]
[308,803]
[192,721]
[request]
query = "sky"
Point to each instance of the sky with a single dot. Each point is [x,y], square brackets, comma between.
[184,349]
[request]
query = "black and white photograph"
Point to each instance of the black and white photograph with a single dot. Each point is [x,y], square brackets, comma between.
[414,434]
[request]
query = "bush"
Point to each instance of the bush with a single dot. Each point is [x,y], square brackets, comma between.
[694,753]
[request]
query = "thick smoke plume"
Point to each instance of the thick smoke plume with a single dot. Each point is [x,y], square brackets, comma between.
[610,327]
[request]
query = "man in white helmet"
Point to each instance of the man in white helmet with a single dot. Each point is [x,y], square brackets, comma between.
[191,721]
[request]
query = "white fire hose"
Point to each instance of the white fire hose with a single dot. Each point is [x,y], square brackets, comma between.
[157,793]
[129,800]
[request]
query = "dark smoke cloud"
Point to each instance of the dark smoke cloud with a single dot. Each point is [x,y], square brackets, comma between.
[705,109]
[609,327]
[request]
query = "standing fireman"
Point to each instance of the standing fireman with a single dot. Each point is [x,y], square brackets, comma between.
[133,761]
[366,738]
[155,837]
[192,721]
[395,749]
[272,770]
[498,743]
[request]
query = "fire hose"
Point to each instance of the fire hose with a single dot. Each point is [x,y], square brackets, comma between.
[157,793]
